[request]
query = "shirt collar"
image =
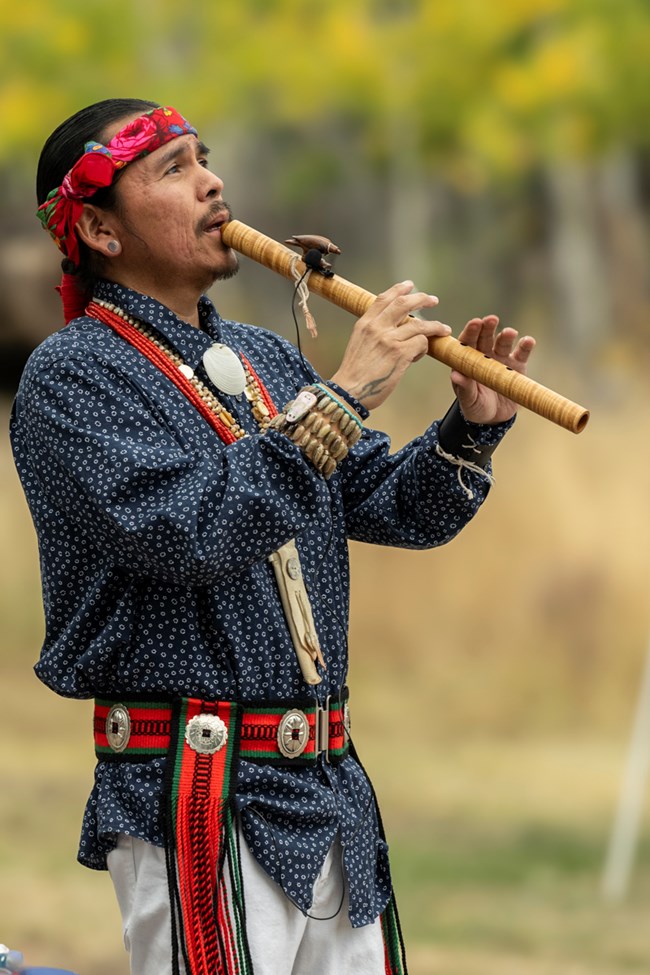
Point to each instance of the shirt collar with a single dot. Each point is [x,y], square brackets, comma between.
[189,342]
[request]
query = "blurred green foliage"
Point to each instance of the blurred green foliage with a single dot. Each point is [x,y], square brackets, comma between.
[488,87]
[504,143]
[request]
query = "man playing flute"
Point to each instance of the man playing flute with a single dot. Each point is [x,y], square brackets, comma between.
[193,483]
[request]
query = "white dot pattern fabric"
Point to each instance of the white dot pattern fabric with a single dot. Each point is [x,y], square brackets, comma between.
[154,539]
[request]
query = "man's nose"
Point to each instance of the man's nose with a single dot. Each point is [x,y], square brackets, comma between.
[212,185]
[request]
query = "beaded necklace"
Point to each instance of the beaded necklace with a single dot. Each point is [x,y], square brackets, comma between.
[286,561]
[147,341]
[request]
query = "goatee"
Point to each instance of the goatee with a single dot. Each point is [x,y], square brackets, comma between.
[228,272]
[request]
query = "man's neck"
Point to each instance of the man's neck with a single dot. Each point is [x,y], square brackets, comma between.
[183,302]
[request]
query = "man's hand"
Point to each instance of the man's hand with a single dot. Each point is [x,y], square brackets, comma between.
[384,343]
[479,403]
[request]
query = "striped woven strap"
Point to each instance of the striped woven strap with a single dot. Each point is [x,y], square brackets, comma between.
[394,952]
[277,734]
[200,785]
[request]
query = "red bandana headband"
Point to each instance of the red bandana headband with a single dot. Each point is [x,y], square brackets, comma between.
[96,170]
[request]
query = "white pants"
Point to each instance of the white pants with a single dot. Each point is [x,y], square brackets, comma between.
[282,940]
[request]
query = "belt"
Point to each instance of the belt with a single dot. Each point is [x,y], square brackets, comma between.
[278,733]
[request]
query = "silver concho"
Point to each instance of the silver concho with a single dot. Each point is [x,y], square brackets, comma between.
[118,727]
[206,733]
[293,734]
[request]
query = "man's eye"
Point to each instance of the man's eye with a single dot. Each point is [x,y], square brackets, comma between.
[203,161]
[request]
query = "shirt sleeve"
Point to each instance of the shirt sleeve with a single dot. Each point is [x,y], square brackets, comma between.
[105,455]
[415,498]
[418,497]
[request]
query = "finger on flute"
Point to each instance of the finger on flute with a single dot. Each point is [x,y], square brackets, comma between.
[470,362]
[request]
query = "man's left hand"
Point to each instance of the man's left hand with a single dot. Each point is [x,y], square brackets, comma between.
[479,403]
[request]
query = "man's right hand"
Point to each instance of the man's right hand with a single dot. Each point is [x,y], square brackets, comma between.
[384,343]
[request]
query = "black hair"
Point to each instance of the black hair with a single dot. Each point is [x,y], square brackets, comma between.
[62,150]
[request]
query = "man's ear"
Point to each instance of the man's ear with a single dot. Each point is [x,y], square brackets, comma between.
[98,229]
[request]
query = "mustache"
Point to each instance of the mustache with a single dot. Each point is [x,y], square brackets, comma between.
[216,210]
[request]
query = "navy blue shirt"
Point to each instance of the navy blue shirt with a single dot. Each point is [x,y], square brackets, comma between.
[154,540]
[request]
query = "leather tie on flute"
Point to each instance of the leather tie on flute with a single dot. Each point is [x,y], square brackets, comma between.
[470,362]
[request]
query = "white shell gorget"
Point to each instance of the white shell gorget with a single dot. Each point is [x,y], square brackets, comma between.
[225,370]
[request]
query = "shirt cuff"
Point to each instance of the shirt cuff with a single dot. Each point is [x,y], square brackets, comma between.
[474,442]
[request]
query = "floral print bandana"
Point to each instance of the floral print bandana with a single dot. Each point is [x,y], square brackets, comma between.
[97,167]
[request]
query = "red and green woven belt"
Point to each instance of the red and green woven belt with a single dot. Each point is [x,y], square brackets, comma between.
[275,734]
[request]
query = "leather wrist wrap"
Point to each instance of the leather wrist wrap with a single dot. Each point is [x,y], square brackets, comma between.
[454,434]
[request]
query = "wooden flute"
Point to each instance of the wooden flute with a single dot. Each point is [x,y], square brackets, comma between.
[470,362]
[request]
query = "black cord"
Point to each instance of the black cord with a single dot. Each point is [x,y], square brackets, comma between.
[279,861]
[306,365]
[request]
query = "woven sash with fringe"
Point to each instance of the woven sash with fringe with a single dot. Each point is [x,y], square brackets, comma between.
[208,926]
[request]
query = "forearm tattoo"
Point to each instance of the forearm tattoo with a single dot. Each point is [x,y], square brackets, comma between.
[372,388]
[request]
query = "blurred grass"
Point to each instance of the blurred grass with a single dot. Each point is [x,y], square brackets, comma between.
[493,681]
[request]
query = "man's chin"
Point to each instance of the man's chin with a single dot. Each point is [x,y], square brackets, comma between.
[229,271]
